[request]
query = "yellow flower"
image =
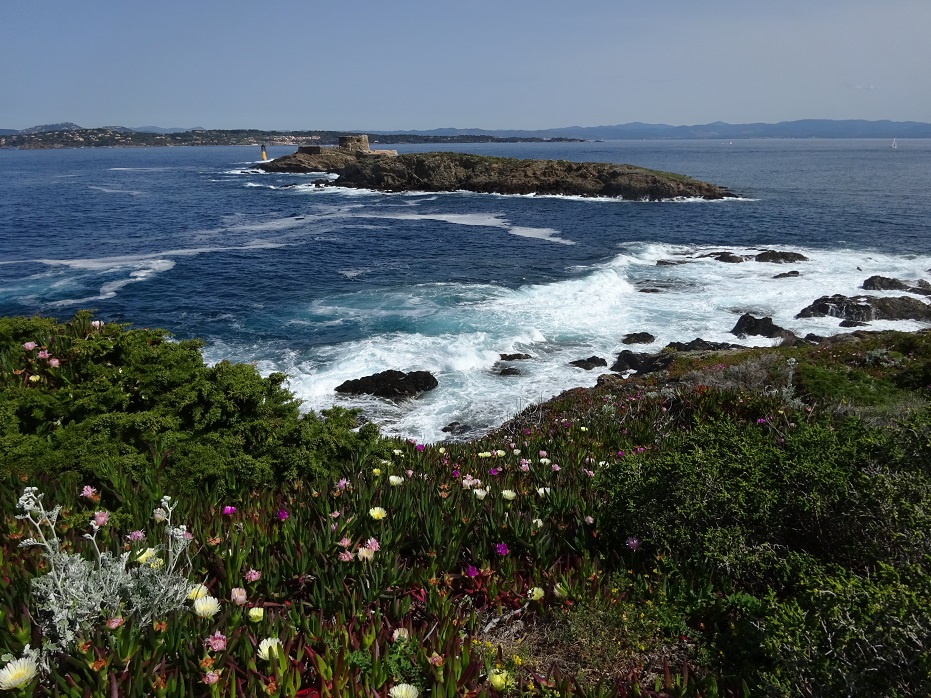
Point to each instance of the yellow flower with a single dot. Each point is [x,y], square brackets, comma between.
[268,648]
[156,563]
[256,614]
[535,594]
[499,679]
[198,591]
[442,450]
[376,471]
[146,555]
[499,453]
[377,513]
[206,607]
[18,673]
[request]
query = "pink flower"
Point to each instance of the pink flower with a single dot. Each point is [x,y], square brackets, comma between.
[42,354]
[524,466]
[135,536]
[88,492]
[114,623]
[216,642]
[342,483]
[589,520]
[344,542]
[97,324]
[409,472]
[345,556]
[101,518]
[53,362]
[282,514]
[253,575]
[556,468]
[372,544]
[471,571]
[334,514]
[590,473]
[420,447]
[501,549]
[542,454]
[229,511]
[29,346]
[211,677]
[633,543]
[238,596]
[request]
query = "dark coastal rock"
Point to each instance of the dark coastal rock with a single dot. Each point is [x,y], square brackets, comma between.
[786,275]
[509,371]
[649,290]
[853,323]
[589,363]
[515,357]
[668,262]
[478,173]
[884,283]
[728,257]
[776,257]
[814,338]
[640,362]
[390,384]
[638,338]
[923,284]
[699,344]
[456,428]
[867,308]
[759,327]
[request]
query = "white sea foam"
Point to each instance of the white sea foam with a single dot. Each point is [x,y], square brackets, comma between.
[483,220]
[111,190]
[458,331]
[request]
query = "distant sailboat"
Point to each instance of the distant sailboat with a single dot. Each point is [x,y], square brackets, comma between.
[893,144]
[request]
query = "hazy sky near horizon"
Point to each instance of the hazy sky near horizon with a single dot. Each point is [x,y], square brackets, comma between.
[503,64]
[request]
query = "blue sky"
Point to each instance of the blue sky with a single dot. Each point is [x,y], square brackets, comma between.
[412,64]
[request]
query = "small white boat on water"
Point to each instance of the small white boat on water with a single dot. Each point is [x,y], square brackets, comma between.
[894,146]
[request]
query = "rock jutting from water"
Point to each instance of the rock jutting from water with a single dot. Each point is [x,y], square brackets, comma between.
[362,169]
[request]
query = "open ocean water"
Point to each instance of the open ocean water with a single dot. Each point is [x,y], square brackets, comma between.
[327,285]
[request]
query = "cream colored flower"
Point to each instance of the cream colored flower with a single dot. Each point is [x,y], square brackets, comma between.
[543,491]
[198,591]
[480,493]
[269,647]
[538,523]
[256,613]
[18,673]
[206,607]
[395,480]
[559,589]
[400,634]
[441,449]
[366,554]
[535,594]
[397,451]
[403,690]
[377,513]
[509,494]
[499,453]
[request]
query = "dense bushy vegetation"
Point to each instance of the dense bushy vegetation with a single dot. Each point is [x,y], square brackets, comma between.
[748,523]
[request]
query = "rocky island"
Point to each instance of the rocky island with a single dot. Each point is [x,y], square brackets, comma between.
[358,167]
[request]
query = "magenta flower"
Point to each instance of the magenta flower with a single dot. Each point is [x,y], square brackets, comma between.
[494,471]
[282,514]
[471,571]
[633,543]
[101,518]
[455,473]
[216,642]
[253,575]
[29,346]
[501,549]
[229,511]
[135,536]
[420,447]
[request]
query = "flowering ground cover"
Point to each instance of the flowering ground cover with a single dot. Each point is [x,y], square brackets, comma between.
[748,523]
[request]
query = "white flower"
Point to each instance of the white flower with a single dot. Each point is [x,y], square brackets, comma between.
[198,591]
[268,648]
[499,453]
[538,523]
[206,607]
[395,480]
[159,514]
[400,633]
[18,673]
[366,554]
[509,494]
[560,591]
[543,491]
[256,613]
[516,451]
[397,451]
[480,493]
[403,690]
[377,513]
[545,461]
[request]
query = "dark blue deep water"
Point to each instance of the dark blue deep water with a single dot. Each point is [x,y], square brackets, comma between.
[327,285]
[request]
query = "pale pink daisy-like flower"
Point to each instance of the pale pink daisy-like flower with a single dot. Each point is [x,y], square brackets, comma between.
[253,575]
[524,466]
[542,454]
[372,544]
[342,483]
[53,362]
[334,514]
[344,542]
[589,520]
[101,518]
[88,492]
[216,642]
[29,346]
[366,554]
[97,324]
[556,468]
[211,677]
[114,623]
[345,556]
[43,354]
[238,596]
[134,536]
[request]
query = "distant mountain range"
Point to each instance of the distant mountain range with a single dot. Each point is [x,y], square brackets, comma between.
[805,128]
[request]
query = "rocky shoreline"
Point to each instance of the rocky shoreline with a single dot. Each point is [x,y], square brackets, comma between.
[444,171]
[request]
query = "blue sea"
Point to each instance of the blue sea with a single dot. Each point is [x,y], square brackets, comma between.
[327,285]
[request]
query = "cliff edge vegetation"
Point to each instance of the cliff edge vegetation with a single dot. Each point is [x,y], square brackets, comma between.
[742,522]
[446,171]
